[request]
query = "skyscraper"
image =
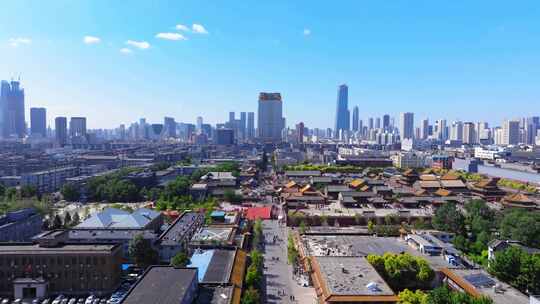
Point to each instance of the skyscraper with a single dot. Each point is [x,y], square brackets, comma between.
[270,117]
[370,123]
[469,133]
[12,109]
[60,130]
[386,121]
[169,127]
[457,131]
[199,124]
[38,122]
[77,127]
[342,110]
[406,125]
[242,126]
[377,123]
[251,125]
[510,132]
[424,129]
[355,114]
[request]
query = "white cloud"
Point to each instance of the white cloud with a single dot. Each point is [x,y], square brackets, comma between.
[182,27]
[307,32]
[171,36]
[126,51]
[143,45]
[15,42]
[91,40]
[198,28]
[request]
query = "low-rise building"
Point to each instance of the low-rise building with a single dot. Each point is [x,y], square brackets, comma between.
[164,285]
[176,238]
[51,266]
[49,180]
[20,225]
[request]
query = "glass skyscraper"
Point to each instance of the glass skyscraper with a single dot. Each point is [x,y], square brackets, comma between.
[342,110]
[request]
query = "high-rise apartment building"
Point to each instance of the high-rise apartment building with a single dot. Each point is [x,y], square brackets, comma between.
[77,127]
[406,125]
[424,129]
[377,123]
[251,125]
[60,130]
[270,117]
[469,133]
[370,123]
[510,132]
[242,125]
[342,110]
[355,117]
[386,121]
[38,122]
[12,116]
[456,132]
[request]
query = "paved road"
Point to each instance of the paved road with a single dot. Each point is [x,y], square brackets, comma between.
[278,274]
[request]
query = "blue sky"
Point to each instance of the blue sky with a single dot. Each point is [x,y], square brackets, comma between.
[468,60]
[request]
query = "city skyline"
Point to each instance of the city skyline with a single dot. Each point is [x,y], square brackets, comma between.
[429,75]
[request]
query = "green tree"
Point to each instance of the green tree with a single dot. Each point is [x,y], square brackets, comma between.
[412,297]
[28,191]
[76,220]
[181,259]
[302,227]
[251,296]
[2,190]
[141,251]
[253,276]
[402,270]
[57,222]
[231,196]
[522,226]
[70,192]
[67,220]
[518,268]
[448,218]
[370,226]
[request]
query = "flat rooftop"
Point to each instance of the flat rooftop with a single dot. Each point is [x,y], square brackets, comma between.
[214,265]
[215,295]
[161,284]
[362,246]
[483,283]
[350,276]
[176,232]
[35,249]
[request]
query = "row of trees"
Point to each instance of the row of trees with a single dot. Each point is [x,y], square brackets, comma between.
[440,295]
[254,273]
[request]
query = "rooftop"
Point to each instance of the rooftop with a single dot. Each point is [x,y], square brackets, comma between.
[111,218]
[214,265]
[176,232]
[350,276]
[161,284]
[209,234]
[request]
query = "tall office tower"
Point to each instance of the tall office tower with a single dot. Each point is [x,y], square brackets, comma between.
[242,126]
[469,133]
[199,124]
[424,129]
[12,118]
[355,114]
[406,125]
[77,126]
[510,132]
[342,110]
[270,117]
[169,127]
[143,129]
[361,127]
[231,118]
[377,123]
[370,123]
[251,125]
[38,122]
[532,125]
[122,132]
[456,132]
[300,132]
[442,133]
[60,131]
[386,122]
